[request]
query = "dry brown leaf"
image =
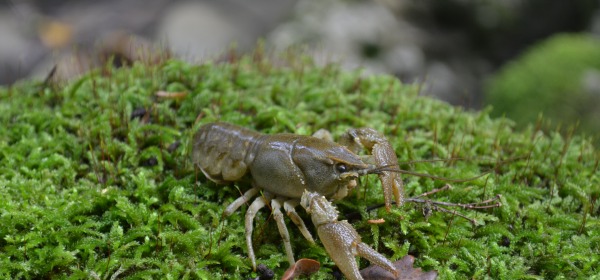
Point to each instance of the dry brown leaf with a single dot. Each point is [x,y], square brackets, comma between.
[404,266]
[301,267]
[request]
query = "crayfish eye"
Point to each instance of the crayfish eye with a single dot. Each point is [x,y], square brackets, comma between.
[341,168]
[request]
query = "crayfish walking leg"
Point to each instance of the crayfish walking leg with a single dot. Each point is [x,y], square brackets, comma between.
[276,204]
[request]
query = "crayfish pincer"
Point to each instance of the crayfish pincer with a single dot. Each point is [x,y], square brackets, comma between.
[340,239]
[288,168]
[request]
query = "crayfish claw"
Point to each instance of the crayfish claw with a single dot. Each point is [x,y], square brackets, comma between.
[376,258]
[390,181]
[340,239]
[383,155]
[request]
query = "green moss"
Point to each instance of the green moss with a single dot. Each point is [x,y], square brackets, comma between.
[87,191]
[557,78]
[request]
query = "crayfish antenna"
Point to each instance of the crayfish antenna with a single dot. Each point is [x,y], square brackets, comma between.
[394,168]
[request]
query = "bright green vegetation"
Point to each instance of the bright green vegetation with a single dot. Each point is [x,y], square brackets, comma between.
[559,78]
[88,192]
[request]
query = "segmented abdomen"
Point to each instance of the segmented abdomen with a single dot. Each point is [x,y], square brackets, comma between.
[222,151]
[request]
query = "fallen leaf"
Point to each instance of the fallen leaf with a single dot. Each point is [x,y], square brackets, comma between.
[404,266]
[301,267]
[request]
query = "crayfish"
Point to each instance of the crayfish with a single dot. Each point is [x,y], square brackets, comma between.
[292,170]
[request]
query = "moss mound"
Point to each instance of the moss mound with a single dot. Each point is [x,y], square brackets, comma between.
[96,180]
[559,78]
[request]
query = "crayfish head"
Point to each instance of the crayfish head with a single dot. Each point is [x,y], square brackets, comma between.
[327,167]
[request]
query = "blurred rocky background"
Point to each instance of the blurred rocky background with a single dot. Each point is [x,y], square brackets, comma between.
[524,57]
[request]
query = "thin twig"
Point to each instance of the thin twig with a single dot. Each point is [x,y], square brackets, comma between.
[476,205]
[445,187]
[438,205]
